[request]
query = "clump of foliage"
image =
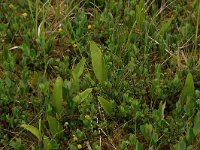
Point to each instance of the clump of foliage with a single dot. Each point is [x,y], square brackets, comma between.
[99,74]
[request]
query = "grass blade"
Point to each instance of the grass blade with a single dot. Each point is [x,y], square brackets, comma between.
[165,26]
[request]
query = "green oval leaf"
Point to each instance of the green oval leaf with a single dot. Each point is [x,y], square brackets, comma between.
[196,128]
[57,95]
[78,70]
[33,130]
[46,143]
[146,130]
[82,96]
[188,89]
[181,145]
[107,106]
[54,125]
[139,146]
[98,63]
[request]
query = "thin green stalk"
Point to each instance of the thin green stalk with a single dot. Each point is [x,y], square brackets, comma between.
[197,26]
[129,36]
[43,35]
[29,5]
[36,16]
[57,9]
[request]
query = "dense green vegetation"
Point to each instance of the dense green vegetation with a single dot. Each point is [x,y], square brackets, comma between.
[100,74]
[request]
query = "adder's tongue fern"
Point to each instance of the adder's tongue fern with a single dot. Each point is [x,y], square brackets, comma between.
[58,95]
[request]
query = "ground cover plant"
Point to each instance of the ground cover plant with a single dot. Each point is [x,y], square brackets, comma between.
[100,74]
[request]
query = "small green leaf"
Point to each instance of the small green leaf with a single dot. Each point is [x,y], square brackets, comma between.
[147,131]
[78,70]
[54,125]
[139,146]
[82,96]
[180,146]
[35,78]
[46,143]
[33,130]
[155,137]
[96,146]
[196,128]
[188,89]
[107,106]
[189,106]
[98,63]
[58,95]
[132,139]
[190,135]
[76,73]
[161,110]
[16,144]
